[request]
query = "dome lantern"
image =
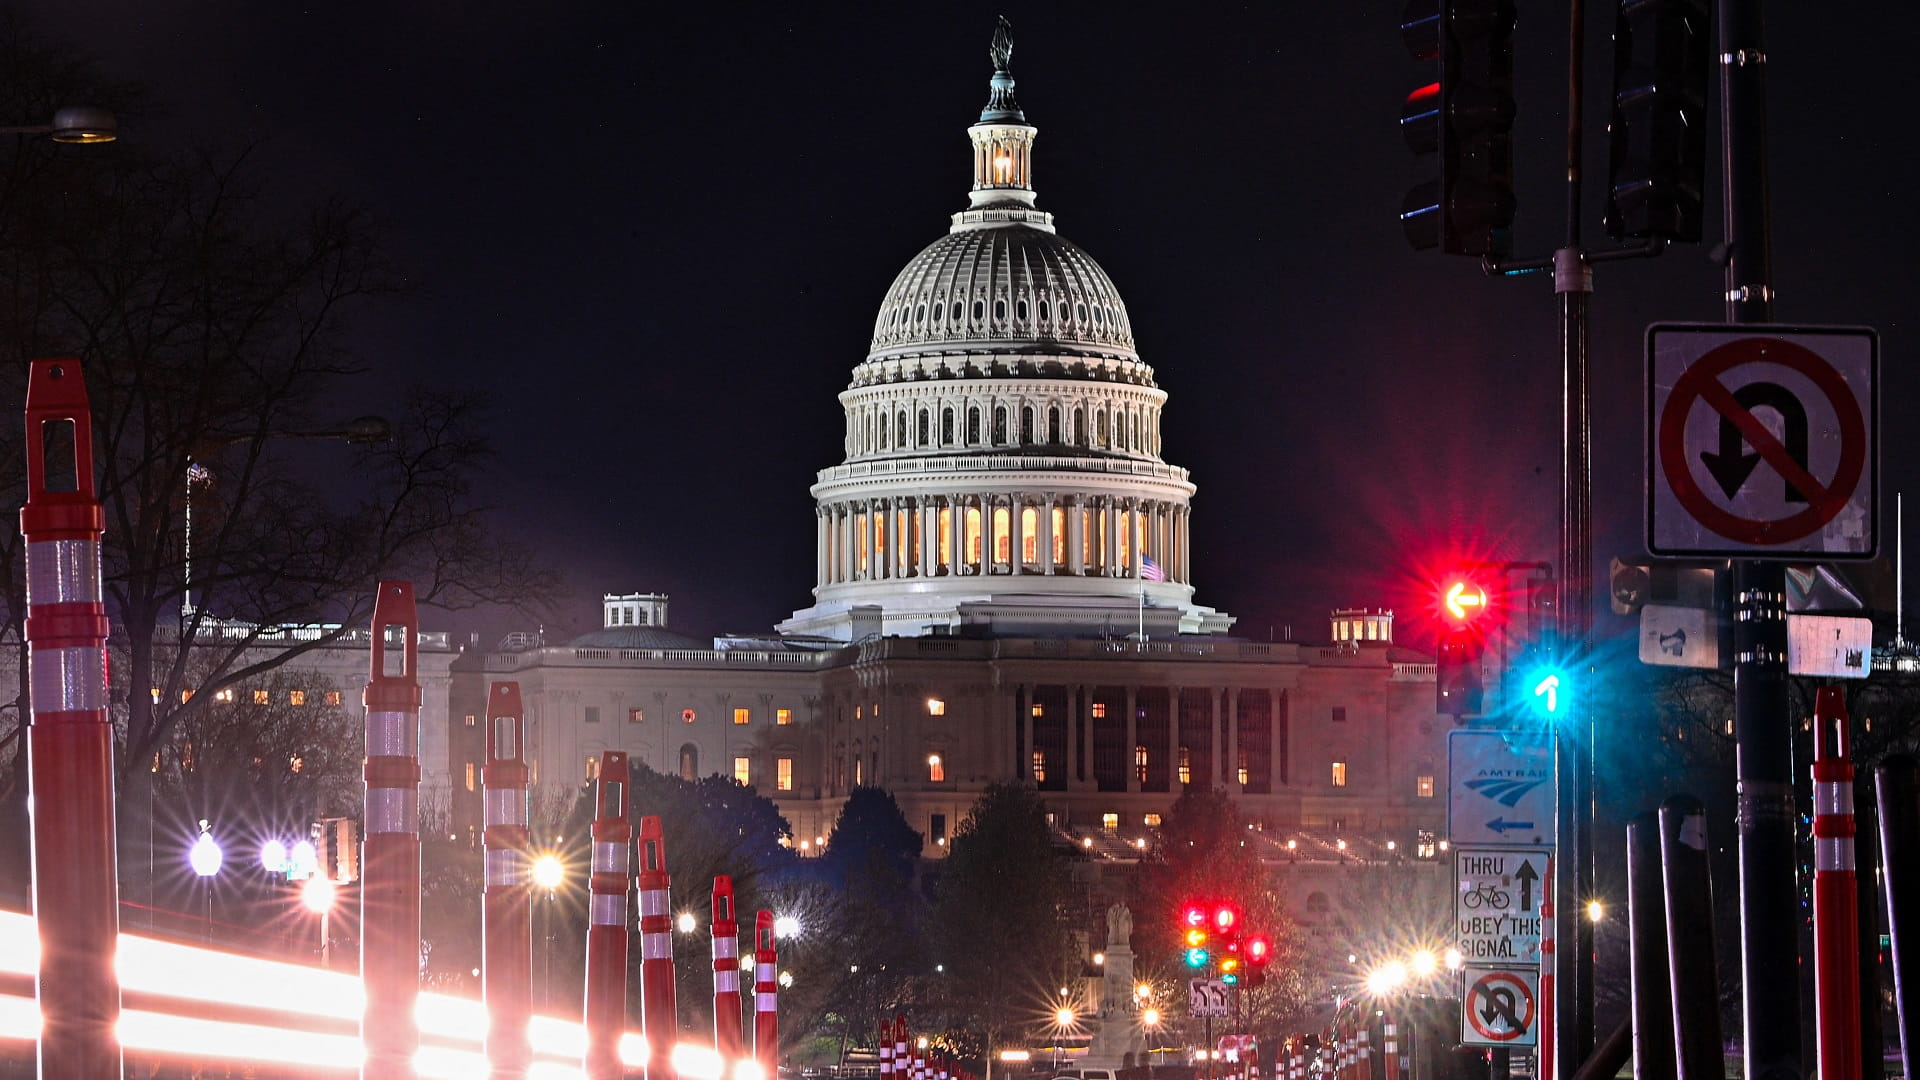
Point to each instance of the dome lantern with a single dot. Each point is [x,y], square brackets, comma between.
[1002,140]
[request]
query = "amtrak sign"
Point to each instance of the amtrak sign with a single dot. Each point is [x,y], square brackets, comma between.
[1500,790]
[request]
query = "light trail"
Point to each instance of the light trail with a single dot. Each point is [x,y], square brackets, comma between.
[246,1008]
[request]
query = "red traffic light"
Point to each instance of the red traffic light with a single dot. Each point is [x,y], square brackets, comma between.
[1462,600]
[1259,950]
[1224,918]
[1194,915]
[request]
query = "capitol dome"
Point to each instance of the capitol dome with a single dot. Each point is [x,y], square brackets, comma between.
[1017,282]
[1003,471]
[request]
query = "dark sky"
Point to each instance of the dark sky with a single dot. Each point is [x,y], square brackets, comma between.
[657,235]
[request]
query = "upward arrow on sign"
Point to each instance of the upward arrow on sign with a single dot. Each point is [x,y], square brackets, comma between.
[1526,876]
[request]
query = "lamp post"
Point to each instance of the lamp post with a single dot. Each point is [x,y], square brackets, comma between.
[548,874]
[1063,1019]
[317,894]
[205,857]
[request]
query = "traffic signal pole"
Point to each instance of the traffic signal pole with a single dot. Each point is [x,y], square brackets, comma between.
[1769,890]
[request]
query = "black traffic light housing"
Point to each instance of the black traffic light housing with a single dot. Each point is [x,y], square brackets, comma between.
[1657,139]
[1457,684]
[1465,118]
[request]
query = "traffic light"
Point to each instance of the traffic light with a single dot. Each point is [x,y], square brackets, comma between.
[1457,686]
[1657,139]
[1465,118]
[1197,958]
[1545,688]
[1259,950]
[1193,933]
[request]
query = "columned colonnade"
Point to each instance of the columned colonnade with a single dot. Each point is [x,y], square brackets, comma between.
[926,536]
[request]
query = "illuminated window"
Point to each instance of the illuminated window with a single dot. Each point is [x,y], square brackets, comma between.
[936,769]
[332,698]
[1186,765]
[469,776]
[223,695]
[187,695]
[1029,535]
[783,774]
[263,697]
[1339,774]
[742,771]
[1423,786]
[636,716]
[592,768]
[1241,772]
[742,716]
[859,771]
[783,717]
[1002,539]
[1039,766]
[971,543]
[936,707]
[1039,709]
[296,763]
[688,716]
[1140,762]
[1099,710]
[296,697]
[1109,822]
[1125,538]
[1151,821]
[1059,537]
[943,541]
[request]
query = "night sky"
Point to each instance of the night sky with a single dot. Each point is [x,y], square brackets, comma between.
[657,236]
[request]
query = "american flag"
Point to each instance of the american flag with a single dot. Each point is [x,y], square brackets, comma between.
[1151,571]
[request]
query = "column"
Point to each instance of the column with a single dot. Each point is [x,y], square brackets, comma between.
[1045,544]
[1110,541]
[1133,737]
[927,530]
[1017,535]
[1025,708]
[880,528]
[843,523]
[1233,739]
[1076,535]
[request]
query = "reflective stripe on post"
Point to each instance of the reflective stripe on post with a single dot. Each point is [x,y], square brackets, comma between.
[1836,914]
[69,735]
[390,870]
[728,1023]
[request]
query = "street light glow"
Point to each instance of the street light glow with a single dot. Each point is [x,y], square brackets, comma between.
[786,926]
[1063,1017]
[686,922]
[1150,1017]
[548,872]
[1453,959]
[1596,911]
[205,855]
[317,893]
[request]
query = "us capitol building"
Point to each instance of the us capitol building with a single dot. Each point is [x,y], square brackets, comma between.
[1003,591]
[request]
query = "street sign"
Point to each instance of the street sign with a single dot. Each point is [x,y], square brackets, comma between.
[1830,645]
[1500,789]
[1501,1007]
[1496,904]
[1679,636]
[1761,441]
[1207,997]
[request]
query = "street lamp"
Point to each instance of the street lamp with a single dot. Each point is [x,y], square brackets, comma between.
[317,894]
[1063,1019]
[205,857]
[73,124]
[548,873]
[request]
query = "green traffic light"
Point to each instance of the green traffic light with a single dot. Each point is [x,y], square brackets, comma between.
[1230,978]
[1548,692]
[1196,958]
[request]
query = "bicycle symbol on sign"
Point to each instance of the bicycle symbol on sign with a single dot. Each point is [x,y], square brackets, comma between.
[1486,895]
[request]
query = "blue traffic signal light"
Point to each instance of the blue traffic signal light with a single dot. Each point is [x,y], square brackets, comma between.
[1197,958]
[1546,689]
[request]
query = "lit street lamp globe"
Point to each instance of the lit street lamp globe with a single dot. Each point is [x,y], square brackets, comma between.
[548,873]
[317,893]
[205,856]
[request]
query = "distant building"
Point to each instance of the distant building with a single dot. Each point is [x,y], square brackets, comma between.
[1003,592]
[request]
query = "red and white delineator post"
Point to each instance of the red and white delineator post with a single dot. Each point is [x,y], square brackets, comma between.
[901,1062]
[1390,1046]
[1836,894]
[886,1049]
[658,1019]
[766,995]
[390,874]
[76,896]
[728,1039]
[611,889]
[507,960]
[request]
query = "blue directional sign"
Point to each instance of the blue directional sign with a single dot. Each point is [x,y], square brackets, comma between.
[1500,789]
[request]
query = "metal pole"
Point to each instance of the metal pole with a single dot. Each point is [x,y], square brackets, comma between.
[507,904]
[1689,905]
[1769,909]
[1867,861]
[661,1023]
[1896,782]
[390,881]
[611,888]
[70,737]
[1836,912]
[1647,952]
